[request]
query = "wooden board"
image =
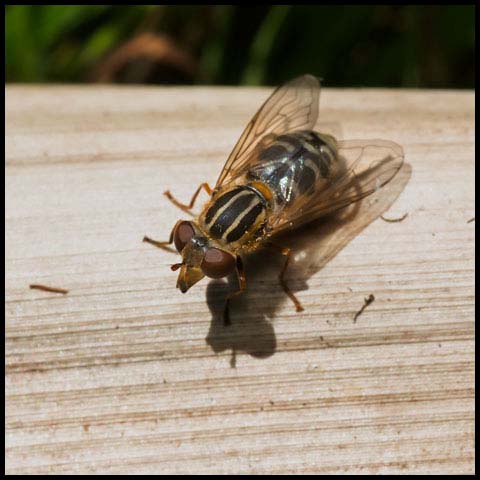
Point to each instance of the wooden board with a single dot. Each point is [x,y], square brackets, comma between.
[124,374]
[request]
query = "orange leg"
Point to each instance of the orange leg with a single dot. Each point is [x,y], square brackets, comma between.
[184,207]
[285,251]
[242,282]
[163,245]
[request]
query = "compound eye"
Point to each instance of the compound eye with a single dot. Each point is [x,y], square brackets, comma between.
[217,263]
[182,235]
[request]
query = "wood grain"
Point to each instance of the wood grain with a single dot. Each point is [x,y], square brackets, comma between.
[124,374]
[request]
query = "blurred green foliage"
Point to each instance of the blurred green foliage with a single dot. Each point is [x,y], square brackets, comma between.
[392,46]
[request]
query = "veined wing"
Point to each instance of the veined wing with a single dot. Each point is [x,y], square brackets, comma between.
[293,106]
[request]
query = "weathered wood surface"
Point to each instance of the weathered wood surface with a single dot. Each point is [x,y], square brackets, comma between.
[126,374]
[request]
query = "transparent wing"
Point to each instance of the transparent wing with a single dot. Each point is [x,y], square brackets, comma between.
[293,106]
[365,166]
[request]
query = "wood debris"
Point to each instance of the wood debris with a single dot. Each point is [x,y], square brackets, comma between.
[45,288]
[368,300]
[394,220]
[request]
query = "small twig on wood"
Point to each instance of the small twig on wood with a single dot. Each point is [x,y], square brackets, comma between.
[48,289]
[368,300]
[393,220]
[471,220]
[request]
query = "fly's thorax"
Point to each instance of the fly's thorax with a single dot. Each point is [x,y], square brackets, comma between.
[236,215]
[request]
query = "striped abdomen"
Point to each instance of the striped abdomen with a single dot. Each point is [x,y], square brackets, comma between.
[235,215]
[295,164]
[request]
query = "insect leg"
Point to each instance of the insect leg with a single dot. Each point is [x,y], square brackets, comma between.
[163,245]
[188,207]
[242,282]
[286,252]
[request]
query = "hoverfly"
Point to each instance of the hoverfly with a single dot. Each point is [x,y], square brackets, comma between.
[280,175]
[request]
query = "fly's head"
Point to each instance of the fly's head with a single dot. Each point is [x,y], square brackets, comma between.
[201,256]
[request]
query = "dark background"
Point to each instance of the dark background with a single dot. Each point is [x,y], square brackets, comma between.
[388,46]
